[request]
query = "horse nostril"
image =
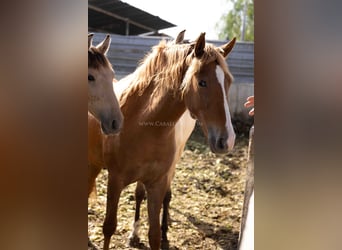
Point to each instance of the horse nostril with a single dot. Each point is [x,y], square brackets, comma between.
[221,143]
[114,124]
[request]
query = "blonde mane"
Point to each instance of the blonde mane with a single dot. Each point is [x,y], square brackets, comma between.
[170,67]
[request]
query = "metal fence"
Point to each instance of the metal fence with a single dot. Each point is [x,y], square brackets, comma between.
[126,52]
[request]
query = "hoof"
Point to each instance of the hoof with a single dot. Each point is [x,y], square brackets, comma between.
[165,244]
[92,246]
[134,241]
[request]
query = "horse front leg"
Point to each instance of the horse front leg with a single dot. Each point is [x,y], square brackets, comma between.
[164,226]
[134,239]
[93,172]
[155,196]
[114,189]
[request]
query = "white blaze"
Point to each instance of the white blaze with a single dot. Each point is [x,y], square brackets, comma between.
[229,126]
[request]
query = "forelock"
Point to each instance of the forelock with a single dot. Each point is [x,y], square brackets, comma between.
[96,59]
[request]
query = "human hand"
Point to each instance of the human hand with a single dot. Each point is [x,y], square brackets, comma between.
[250,103]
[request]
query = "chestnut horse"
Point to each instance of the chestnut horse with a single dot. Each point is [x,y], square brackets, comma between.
[183,130]
[102,102]
[171,79]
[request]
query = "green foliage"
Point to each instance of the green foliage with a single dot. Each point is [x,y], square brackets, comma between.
[231,23]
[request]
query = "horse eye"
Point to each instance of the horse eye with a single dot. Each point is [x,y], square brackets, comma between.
[91,78]
[202,83]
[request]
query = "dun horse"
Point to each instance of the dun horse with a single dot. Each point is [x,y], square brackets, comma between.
[171,79]
[102,103]
[103,106]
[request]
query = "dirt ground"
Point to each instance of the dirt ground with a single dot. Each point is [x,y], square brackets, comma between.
[205,210]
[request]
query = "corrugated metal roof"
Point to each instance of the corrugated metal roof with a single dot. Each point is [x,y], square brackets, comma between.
[118,17]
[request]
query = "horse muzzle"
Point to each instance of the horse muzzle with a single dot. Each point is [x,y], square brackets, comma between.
[112,126]
[221,144]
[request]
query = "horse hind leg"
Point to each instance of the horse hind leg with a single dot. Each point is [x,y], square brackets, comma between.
[140,194]
[134,239]
[114,189]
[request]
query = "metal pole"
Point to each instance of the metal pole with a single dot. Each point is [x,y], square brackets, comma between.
[244,17]
[127,28]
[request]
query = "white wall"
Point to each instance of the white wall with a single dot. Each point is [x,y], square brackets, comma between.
[238,94]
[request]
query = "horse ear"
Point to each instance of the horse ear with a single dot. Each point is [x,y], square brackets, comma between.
[199,45]
[228,47]
[180,37]
[104,46]
[90,40]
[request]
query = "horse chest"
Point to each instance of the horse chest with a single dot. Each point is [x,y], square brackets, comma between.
[155,162]
[152,171]
[146,165]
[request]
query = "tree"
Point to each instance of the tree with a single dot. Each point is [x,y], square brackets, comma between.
[239,22]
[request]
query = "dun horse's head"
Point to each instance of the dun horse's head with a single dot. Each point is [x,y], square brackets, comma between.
[102,102]
[205,91]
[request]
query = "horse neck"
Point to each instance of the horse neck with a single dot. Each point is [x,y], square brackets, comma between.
[168,108]
[154,105]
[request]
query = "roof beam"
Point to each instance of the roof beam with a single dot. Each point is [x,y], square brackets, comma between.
[127,20]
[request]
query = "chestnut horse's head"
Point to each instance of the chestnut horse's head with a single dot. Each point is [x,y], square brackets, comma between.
[102,102]
[205,91]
